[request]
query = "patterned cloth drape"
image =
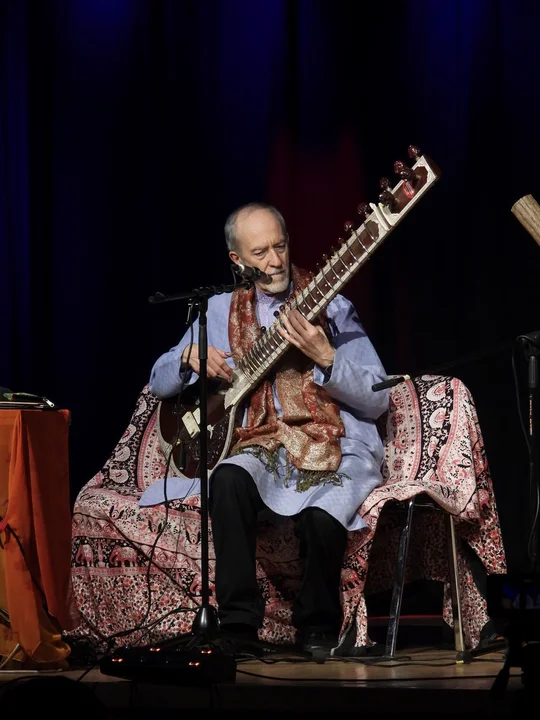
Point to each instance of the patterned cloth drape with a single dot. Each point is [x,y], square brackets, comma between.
[433,445]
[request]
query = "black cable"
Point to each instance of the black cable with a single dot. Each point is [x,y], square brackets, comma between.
[392,664]
[167,469]
[32,577]
[530,549]
[85,673]
[368,661]
[148,630]
[531,552]
[146,557]
[246,657]
[518,400]
[160,620]
[361,680]
[150,558]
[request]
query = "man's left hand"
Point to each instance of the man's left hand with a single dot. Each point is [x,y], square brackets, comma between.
[310,339]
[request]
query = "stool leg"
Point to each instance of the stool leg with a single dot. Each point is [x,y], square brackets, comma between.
[454,583]
[399,582]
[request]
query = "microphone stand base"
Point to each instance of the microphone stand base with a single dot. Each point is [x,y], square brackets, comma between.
[206,623]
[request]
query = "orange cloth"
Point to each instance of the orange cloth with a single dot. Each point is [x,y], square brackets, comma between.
[35,511]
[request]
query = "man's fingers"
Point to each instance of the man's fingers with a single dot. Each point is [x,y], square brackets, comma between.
[219,366]
[214,368]
[191,352]
[223,367]
[288,327]
[289,333]
[295,329]
[293,322]
[225,371]
[298,321]
[218,355]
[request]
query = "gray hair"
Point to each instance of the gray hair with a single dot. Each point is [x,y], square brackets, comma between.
[230,224]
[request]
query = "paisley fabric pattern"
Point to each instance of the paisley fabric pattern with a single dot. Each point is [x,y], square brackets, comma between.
[310,425]
[136,570]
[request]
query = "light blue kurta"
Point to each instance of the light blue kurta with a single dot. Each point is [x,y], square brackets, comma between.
[356,368]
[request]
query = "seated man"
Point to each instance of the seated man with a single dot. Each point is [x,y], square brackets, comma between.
[308,447]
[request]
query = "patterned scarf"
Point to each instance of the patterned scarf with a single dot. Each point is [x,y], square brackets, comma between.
[310,426]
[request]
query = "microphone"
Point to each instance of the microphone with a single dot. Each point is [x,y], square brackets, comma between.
[533,338]
[251,273]
[390,383]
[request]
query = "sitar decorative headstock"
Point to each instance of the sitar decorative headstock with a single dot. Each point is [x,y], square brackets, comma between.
[395,202]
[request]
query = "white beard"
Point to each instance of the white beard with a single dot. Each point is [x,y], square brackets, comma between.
[278,285]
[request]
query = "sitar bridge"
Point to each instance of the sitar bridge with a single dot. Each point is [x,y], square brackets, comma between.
[191,422]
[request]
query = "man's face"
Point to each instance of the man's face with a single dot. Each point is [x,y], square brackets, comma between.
[262,245]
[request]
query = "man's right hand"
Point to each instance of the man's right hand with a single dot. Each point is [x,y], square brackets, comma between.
[216,366]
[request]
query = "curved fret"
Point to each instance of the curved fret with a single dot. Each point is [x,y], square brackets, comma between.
[342,261]
[358,237]
[251,363]
[324,270]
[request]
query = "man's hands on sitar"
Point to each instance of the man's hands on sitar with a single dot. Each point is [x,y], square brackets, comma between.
[216,364]
[310,339]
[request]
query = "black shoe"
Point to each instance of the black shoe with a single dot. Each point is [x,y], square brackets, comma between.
[239,640]
[377,650]
[319,643]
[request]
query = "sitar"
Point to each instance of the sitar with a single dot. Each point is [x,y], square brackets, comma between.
[179,419]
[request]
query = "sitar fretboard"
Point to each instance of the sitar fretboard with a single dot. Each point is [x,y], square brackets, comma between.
[338,269]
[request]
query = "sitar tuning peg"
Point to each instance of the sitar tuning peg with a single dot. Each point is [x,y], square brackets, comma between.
[363,210]
[414,152]
[386,197]
[404,171]
[348,227]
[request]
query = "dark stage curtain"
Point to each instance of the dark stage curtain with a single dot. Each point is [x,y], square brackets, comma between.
[129,129]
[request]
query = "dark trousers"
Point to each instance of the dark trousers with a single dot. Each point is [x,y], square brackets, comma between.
[234,504]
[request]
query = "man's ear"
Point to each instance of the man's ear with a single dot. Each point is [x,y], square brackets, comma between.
[235,258]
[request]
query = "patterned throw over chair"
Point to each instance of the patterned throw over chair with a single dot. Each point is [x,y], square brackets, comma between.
[136,571]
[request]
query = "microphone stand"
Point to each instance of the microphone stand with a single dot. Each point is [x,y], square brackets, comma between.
[531,347]
[193,661]
[520,626]
[205,623]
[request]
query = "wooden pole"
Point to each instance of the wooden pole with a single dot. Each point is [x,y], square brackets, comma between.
[527,212]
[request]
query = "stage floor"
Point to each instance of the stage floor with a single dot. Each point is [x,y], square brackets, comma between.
[419,680]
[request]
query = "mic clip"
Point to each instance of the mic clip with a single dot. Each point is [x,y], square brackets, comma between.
[250,273]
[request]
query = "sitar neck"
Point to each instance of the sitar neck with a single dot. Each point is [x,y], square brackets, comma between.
[378,222]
